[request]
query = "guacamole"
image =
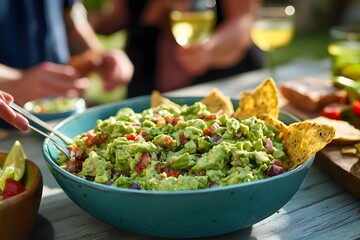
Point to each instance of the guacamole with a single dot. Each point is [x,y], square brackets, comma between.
[168,149]
[56,105]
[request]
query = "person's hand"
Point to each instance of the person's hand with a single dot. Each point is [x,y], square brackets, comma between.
[10,115]
[114,67]
[194,58]
[49,79]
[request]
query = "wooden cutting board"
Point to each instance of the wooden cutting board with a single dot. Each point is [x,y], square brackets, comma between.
[344,168]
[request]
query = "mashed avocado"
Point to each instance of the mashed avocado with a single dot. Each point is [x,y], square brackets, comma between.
[170,149]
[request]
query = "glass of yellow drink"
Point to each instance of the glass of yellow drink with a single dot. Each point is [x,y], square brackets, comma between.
[192,21]
[344,50]
[273,28]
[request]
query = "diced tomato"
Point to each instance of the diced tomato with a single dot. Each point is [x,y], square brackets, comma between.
[74,167]
[144,161]
[176,120]
[168,119]
[130,136]
[211,117]
[172,173]
[143,134]
[160,122]
[167,141]
[356,108]
[70,166]
[332,112]
[102,138]
[158,168]
[207,132]
[183,139]
[12,188]
[90,139]
[78,165]
[164,169]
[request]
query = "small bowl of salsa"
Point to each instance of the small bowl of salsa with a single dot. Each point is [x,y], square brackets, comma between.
[19,197]
[55,108]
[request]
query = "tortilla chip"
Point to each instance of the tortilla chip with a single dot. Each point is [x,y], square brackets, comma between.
[216,101]
[303,139]
[262,101]
[157,100]
[246,106]
[275,122]
[352,150]
[345,132]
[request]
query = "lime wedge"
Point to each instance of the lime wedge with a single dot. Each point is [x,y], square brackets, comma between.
[16,161]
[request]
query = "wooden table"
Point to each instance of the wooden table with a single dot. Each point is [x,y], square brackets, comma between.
[321,209]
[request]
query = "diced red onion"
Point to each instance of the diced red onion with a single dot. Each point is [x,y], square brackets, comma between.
[78,153]
[213,185]
[135,124]
[118,173]
[72,153]
[214,127]
[269,148]
[238,134]
[217,139]
[134,186]
[275,170]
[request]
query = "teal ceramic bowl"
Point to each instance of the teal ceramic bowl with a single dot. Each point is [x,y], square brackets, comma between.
[179,214]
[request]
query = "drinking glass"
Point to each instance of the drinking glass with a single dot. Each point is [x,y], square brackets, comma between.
[344,50]
[192,21]
[273,29]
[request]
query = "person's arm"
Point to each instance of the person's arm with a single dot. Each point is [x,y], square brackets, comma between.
[81,36]
[229,43]
[232,38]
[42,80]
[88,55]
[8,74]
[47,78]
[112,18]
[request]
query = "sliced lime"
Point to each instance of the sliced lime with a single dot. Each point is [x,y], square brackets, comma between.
[16,160]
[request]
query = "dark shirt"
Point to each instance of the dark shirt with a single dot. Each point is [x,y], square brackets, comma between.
[141,48]
[33,31]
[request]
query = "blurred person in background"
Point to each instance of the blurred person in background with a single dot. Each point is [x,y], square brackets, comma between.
[160,63]
[47,48]
[10,115]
